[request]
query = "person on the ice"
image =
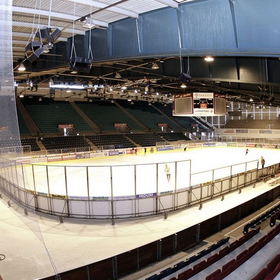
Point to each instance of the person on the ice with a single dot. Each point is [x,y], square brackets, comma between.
[167,171]
[262,162]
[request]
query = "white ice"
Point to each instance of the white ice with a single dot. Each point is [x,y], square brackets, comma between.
[139,173]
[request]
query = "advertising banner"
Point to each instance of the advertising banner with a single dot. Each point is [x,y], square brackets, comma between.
[54,158]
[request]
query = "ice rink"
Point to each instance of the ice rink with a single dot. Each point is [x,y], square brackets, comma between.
[141,173]
[39,245]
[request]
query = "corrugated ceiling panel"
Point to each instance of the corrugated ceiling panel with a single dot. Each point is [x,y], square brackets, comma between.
[142,6]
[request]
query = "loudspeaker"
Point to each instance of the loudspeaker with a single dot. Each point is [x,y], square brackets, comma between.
[47,36]
[33,50]
[184,77]
[81,64]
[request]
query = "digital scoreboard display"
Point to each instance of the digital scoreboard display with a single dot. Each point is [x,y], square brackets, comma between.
[199,104]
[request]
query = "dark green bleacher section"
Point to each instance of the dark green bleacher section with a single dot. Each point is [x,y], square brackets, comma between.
[173,136]
[66,142]
[32,143]
[118,140]
[105,114]
[148,115]
[23,129]
[10,143]
[145,140]
[48,115]
[186,122]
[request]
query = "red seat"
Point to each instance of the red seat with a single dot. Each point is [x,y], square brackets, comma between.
[273,263]
[213,259]
[225,266]
[261,275]
[185,274]
[213,274]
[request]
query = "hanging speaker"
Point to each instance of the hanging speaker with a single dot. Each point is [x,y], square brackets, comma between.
[184,77]
[33,50]
[81,64]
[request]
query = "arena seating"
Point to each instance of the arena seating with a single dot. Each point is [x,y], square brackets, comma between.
[118,140]
[189,261]
[263,217]
[30,142]
[67,142]
[186,122]
[148,115]
[274,217]
[271,270]
[48,116]
[10,143]
[177,136]
[145,140]
[253,124]
[23,129]
[203,264]
[106,114]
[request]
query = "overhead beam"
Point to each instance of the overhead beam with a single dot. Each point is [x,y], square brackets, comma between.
[19,49]
[27,35]
[66,17]
[99,5]
[169,3]
[31,25]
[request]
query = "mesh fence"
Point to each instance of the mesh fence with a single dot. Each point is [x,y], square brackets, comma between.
[10,144]
[9,130]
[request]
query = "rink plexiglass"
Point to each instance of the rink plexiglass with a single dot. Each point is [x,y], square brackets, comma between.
[124,190]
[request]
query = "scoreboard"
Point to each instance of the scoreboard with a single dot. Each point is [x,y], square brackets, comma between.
[199,104]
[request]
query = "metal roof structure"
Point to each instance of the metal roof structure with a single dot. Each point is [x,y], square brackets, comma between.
[241,73]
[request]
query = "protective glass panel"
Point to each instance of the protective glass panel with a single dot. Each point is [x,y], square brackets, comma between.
[183,174]
[166,177]
[76,181]
[57,179]
[40,177]
[222,172]
[239,168]
[146,178]
[99,182]
[202,177]
[123,180]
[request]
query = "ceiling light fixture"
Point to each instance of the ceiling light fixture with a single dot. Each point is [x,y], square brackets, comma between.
[155,66]
[183,85]
[62,86]
[51,82]
[209,58]
[118,75]
[88,23]
[21,67]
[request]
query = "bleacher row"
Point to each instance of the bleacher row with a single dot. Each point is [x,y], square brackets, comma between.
[203,264]
[273,213]
[270,271]
[183,271]
[139,117]
[189,261]
[117,140]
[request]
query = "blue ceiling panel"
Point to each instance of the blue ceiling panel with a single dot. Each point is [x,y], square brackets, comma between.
[258,25]
[124,40]
[159,31]
[207,26]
